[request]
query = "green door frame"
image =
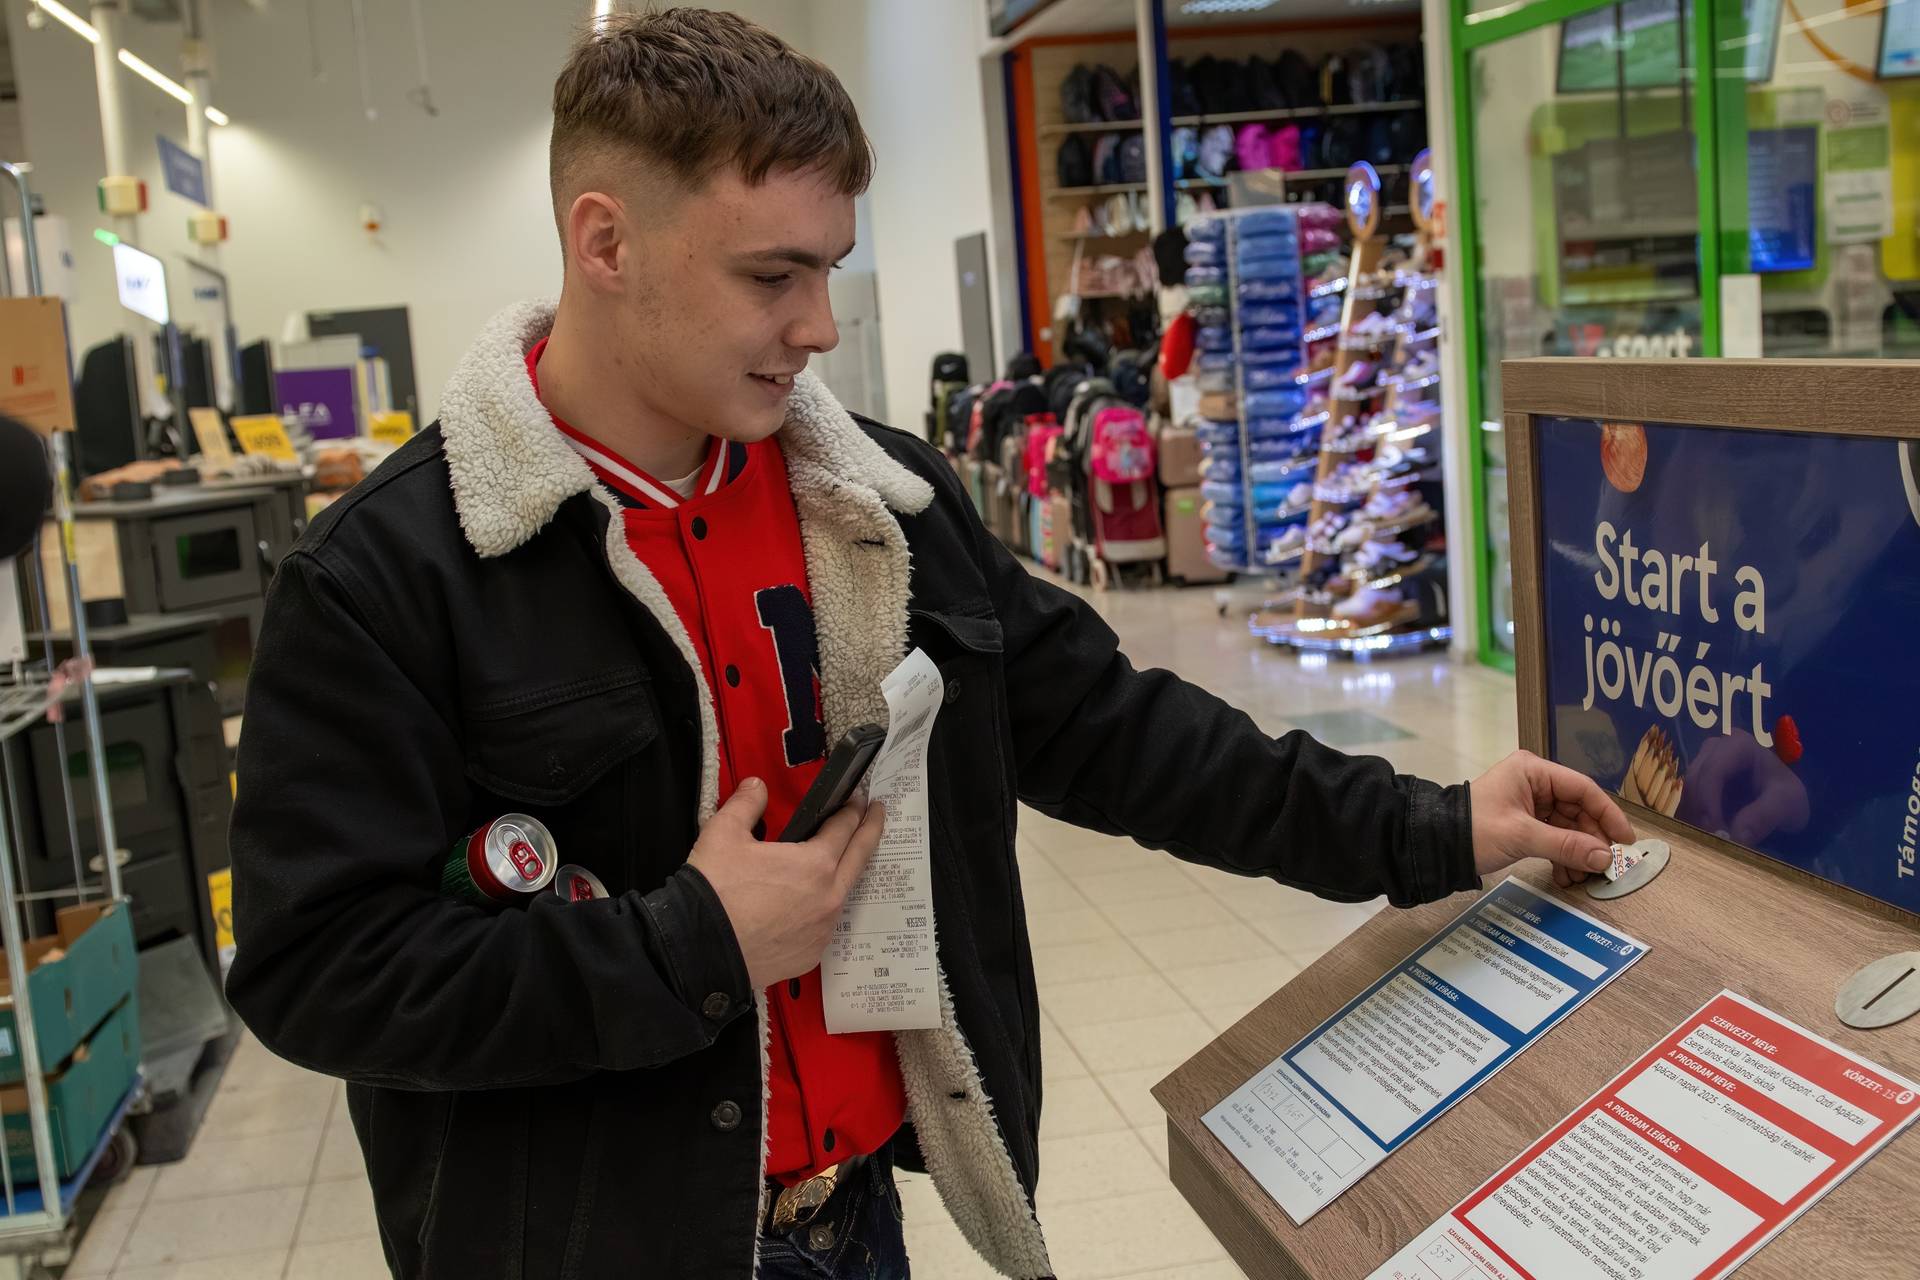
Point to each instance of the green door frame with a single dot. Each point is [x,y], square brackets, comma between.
[1711,102]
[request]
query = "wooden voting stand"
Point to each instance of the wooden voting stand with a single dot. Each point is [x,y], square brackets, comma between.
[1719,917]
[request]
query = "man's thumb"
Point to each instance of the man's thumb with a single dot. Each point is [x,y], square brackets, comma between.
[746,806]
[1574,849]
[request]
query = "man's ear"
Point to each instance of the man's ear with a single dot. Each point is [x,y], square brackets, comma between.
[597,239]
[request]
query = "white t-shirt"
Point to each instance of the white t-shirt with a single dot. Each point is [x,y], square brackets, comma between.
[684,485]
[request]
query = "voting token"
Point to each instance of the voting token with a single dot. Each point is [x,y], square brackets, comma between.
[502,862]
[577,884]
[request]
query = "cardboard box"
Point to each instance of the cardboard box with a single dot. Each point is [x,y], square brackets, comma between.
[81,1097]
[1179,458]
[35,386]
[74,979]
[1187,539]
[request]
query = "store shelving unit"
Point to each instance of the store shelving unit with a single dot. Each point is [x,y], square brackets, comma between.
[35,1220]
[1381,440]
[1254,509]
[1038,68]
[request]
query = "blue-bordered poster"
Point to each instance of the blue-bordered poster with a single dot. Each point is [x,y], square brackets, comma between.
[1731,619]
[1315,1120]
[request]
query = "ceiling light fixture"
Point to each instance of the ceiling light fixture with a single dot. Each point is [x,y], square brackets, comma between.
[1225,6]
[143,69]
[68,19]
[172,88]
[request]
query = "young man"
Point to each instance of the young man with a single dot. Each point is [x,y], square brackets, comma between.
[524,610]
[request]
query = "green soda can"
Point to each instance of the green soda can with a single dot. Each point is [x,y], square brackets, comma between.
[506,861]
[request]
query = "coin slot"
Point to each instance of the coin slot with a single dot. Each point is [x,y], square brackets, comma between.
[1888,988]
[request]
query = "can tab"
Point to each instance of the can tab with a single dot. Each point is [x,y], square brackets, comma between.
[1633,866]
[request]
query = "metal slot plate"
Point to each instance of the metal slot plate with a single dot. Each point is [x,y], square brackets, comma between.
[1652,862]
[1885,992]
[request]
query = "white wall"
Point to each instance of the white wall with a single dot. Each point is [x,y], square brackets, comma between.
[913,70]
[60,127]
[468,226]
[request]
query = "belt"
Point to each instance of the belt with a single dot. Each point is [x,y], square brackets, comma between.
[797,1205]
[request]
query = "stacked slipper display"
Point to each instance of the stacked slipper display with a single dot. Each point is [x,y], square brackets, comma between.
[1260,435]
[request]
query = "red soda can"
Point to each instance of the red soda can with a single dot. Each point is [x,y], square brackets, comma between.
[577,884]
[505,861]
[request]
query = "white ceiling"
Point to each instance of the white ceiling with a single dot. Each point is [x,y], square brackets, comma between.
[1073,17]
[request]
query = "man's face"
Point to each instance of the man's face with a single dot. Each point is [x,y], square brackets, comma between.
[726,299]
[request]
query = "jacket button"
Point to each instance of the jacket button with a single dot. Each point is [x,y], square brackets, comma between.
[699,528]
[953,692]
[726,1117]
[733,676]
[717,1005]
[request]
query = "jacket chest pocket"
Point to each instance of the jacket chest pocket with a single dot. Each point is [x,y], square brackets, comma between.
[567,755]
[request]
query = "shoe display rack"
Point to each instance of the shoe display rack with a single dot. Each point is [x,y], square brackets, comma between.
[1371,558]
[1248,274]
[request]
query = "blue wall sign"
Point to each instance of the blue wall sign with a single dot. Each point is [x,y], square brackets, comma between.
[185,175]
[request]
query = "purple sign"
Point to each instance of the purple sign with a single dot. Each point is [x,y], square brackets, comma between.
[321,401]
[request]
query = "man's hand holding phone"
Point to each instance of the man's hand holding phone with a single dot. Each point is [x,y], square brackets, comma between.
[783,899]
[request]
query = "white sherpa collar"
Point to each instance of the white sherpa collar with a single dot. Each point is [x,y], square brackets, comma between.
[511,470]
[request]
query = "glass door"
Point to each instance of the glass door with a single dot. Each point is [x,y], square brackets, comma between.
[1585,217]
[1818,151]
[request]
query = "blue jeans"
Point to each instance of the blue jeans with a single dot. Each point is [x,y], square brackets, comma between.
[855,1236]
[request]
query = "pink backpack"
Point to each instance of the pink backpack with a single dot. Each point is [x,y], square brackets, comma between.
[1042,431]
[1253,146]
[1285,150]
[1122,447]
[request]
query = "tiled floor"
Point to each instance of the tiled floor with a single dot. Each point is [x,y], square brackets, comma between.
[1141,959]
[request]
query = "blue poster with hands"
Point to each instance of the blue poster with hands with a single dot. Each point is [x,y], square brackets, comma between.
[1732,625]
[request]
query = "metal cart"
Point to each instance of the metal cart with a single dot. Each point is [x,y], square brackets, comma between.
[35,1222]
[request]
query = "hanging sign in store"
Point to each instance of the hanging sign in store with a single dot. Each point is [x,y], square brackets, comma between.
[1683,1166]
[185,175]
[1323,1114]
[265,436]
[1728,628]
[322,402]
[36,385]
[394,428]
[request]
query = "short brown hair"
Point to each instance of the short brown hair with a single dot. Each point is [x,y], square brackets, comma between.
[692,91]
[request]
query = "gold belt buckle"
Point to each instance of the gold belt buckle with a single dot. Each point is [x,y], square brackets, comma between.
[796,1205]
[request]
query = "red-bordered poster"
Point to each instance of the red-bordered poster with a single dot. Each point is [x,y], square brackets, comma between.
[1682,1167]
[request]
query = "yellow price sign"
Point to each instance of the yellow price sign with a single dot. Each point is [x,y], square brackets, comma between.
[390,428]
[220,898]
[264,435]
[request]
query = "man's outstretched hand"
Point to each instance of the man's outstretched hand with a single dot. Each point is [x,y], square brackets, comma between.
[1526,807]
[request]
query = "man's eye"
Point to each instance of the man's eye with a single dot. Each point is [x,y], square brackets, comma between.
[771,282]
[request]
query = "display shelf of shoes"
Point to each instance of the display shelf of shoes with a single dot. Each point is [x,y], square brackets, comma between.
[1363,263]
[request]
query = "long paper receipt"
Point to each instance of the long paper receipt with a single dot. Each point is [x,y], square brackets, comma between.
[879,970]
[1682,1166]
[1415,1042]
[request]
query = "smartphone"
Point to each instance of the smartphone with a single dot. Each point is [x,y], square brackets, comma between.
[834,787]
